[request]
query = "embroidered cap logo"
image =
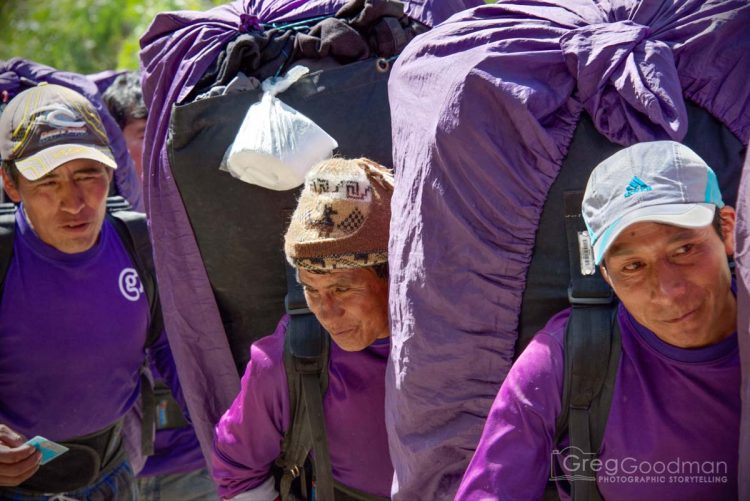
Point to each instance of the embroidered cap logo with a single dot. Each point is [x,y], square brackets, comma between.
[636,185]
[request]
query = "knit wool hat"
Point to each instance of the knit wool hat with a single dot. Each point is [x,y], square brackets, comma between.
[342,217]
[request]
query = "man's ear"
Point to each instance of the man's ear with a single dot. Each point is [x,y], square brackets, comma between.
[728,218]
[10,187]
[605,275]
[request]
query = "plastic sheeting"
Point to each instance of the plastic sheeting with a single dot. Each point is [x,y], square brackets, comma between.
[497,93]
[17,75]
[177,49]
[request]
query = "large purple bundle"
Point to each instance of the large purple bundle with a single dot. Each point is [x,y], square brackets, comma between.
[496,94]
[742,257]
[177,50]
[18,74]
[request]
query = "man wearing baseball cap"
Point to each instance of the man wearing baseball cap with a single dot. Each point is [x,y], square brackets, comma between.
[74,316]
[662,237]
[337,241]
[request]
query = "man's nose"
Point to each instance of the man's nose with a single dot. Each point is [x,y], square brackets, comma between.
[72,199]
[329,307]
[670,281]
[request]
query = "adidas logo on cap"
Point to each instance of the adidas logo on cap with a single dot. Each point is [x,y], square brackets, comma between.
[636,185]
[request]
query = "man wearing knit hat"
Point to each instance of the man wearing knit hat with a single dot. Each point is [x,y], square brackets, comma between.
[337,241]
[661,236]
[74,316]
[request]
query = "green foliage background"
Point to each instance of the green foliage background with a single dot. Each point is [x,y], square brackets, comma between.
[83,36]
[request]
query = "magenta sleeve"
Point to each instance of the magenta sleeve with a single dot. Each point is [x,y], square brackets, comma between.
[248,436]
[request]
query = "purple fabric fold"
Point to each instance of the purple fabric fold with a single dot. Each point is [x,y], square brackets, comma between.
[627,82]
[104,79]
[483,108]
[18,74]
[742,258]
[176,50]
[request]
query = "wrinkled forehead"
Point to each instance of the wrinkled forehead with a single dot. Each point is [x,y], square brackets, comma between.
[335,277]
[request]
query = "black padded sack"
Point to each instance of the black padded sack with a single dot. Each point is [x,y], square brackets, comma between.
[239,227]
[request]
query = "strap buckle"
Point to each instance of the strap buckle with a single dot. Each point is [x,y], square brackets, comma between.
[589,300]
[296,308]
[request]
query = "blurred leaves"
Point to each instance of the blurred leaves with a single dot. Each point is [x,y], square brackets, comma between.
[84,36]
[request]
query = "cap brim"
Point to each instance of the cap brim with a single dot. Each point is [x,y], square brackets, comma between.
[681,215]
[47,160]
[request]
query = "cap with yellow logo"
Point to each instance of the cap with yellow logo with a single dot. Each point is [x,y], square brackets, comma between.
[48,125]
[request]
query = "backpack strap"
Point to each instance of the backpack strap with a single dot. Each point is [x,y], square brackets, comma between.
[132,229]
[7,236]
[306,356]
[133,232]
[592,353]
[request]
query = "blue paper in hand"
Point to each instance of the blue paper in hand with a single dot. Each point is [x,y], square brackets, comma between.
[49,449]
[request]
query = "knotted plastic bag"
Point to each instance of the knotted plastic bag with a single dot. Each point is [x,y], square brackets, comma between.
[276,144]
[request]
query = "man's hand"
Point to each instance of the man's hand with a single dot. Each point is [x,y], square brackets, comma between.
[18,462]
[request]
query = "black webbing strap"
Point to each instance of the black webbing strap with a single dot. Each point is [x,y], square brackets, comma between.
[306,362]
[7,234]
[132,229]
[592,354]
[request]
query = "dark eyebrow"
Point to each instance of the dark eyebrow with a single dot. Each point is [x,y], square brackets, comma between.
[90,170]
[339,282]
[684,234]
[47,177]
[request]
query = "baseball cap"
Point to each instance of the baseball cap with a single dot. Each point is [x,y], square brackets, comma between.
[660,182]
[342,217]
[45,126]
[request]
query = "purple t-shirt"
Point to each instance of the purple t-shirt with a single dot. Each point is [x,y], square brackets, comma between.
[249,435]
[72,335]
[672,431]
[175,451]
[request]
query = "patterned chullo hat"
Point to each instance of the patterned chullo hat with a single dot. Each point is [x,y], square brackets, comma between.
[342,217]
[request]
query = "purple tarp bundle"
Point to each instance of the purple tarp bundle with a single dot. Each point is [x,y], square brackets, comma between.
[177,49]
[484,108]
[17,75]
[742,257]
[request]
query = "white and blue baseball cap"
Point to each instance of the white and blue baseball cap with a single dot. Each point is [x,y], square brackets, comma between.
[661,182]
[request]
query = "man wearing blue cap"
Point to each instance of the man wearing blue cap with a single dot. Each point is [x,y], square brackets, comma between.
[661,236]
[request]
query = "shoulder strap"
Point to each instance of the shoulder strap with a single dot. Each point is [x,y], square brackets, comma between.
[132,229]
[7,236]
[592,353]
[306,355]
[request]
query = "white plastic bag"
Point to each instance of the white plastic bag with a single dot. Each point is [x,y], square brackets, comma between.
[276,145]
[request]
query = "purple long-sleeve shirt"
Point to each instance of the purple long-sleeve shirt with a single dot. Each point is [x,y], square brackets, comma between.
[72,334]
[672,409]
[249,435]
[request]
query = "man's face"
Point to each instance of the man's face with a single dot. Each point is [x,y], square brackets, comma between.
[134,132]
[352,305]
[676,281]
[66,207]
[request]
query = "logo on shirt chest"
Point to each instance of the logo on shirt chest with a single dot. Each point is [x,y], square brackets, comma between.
[130,284]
